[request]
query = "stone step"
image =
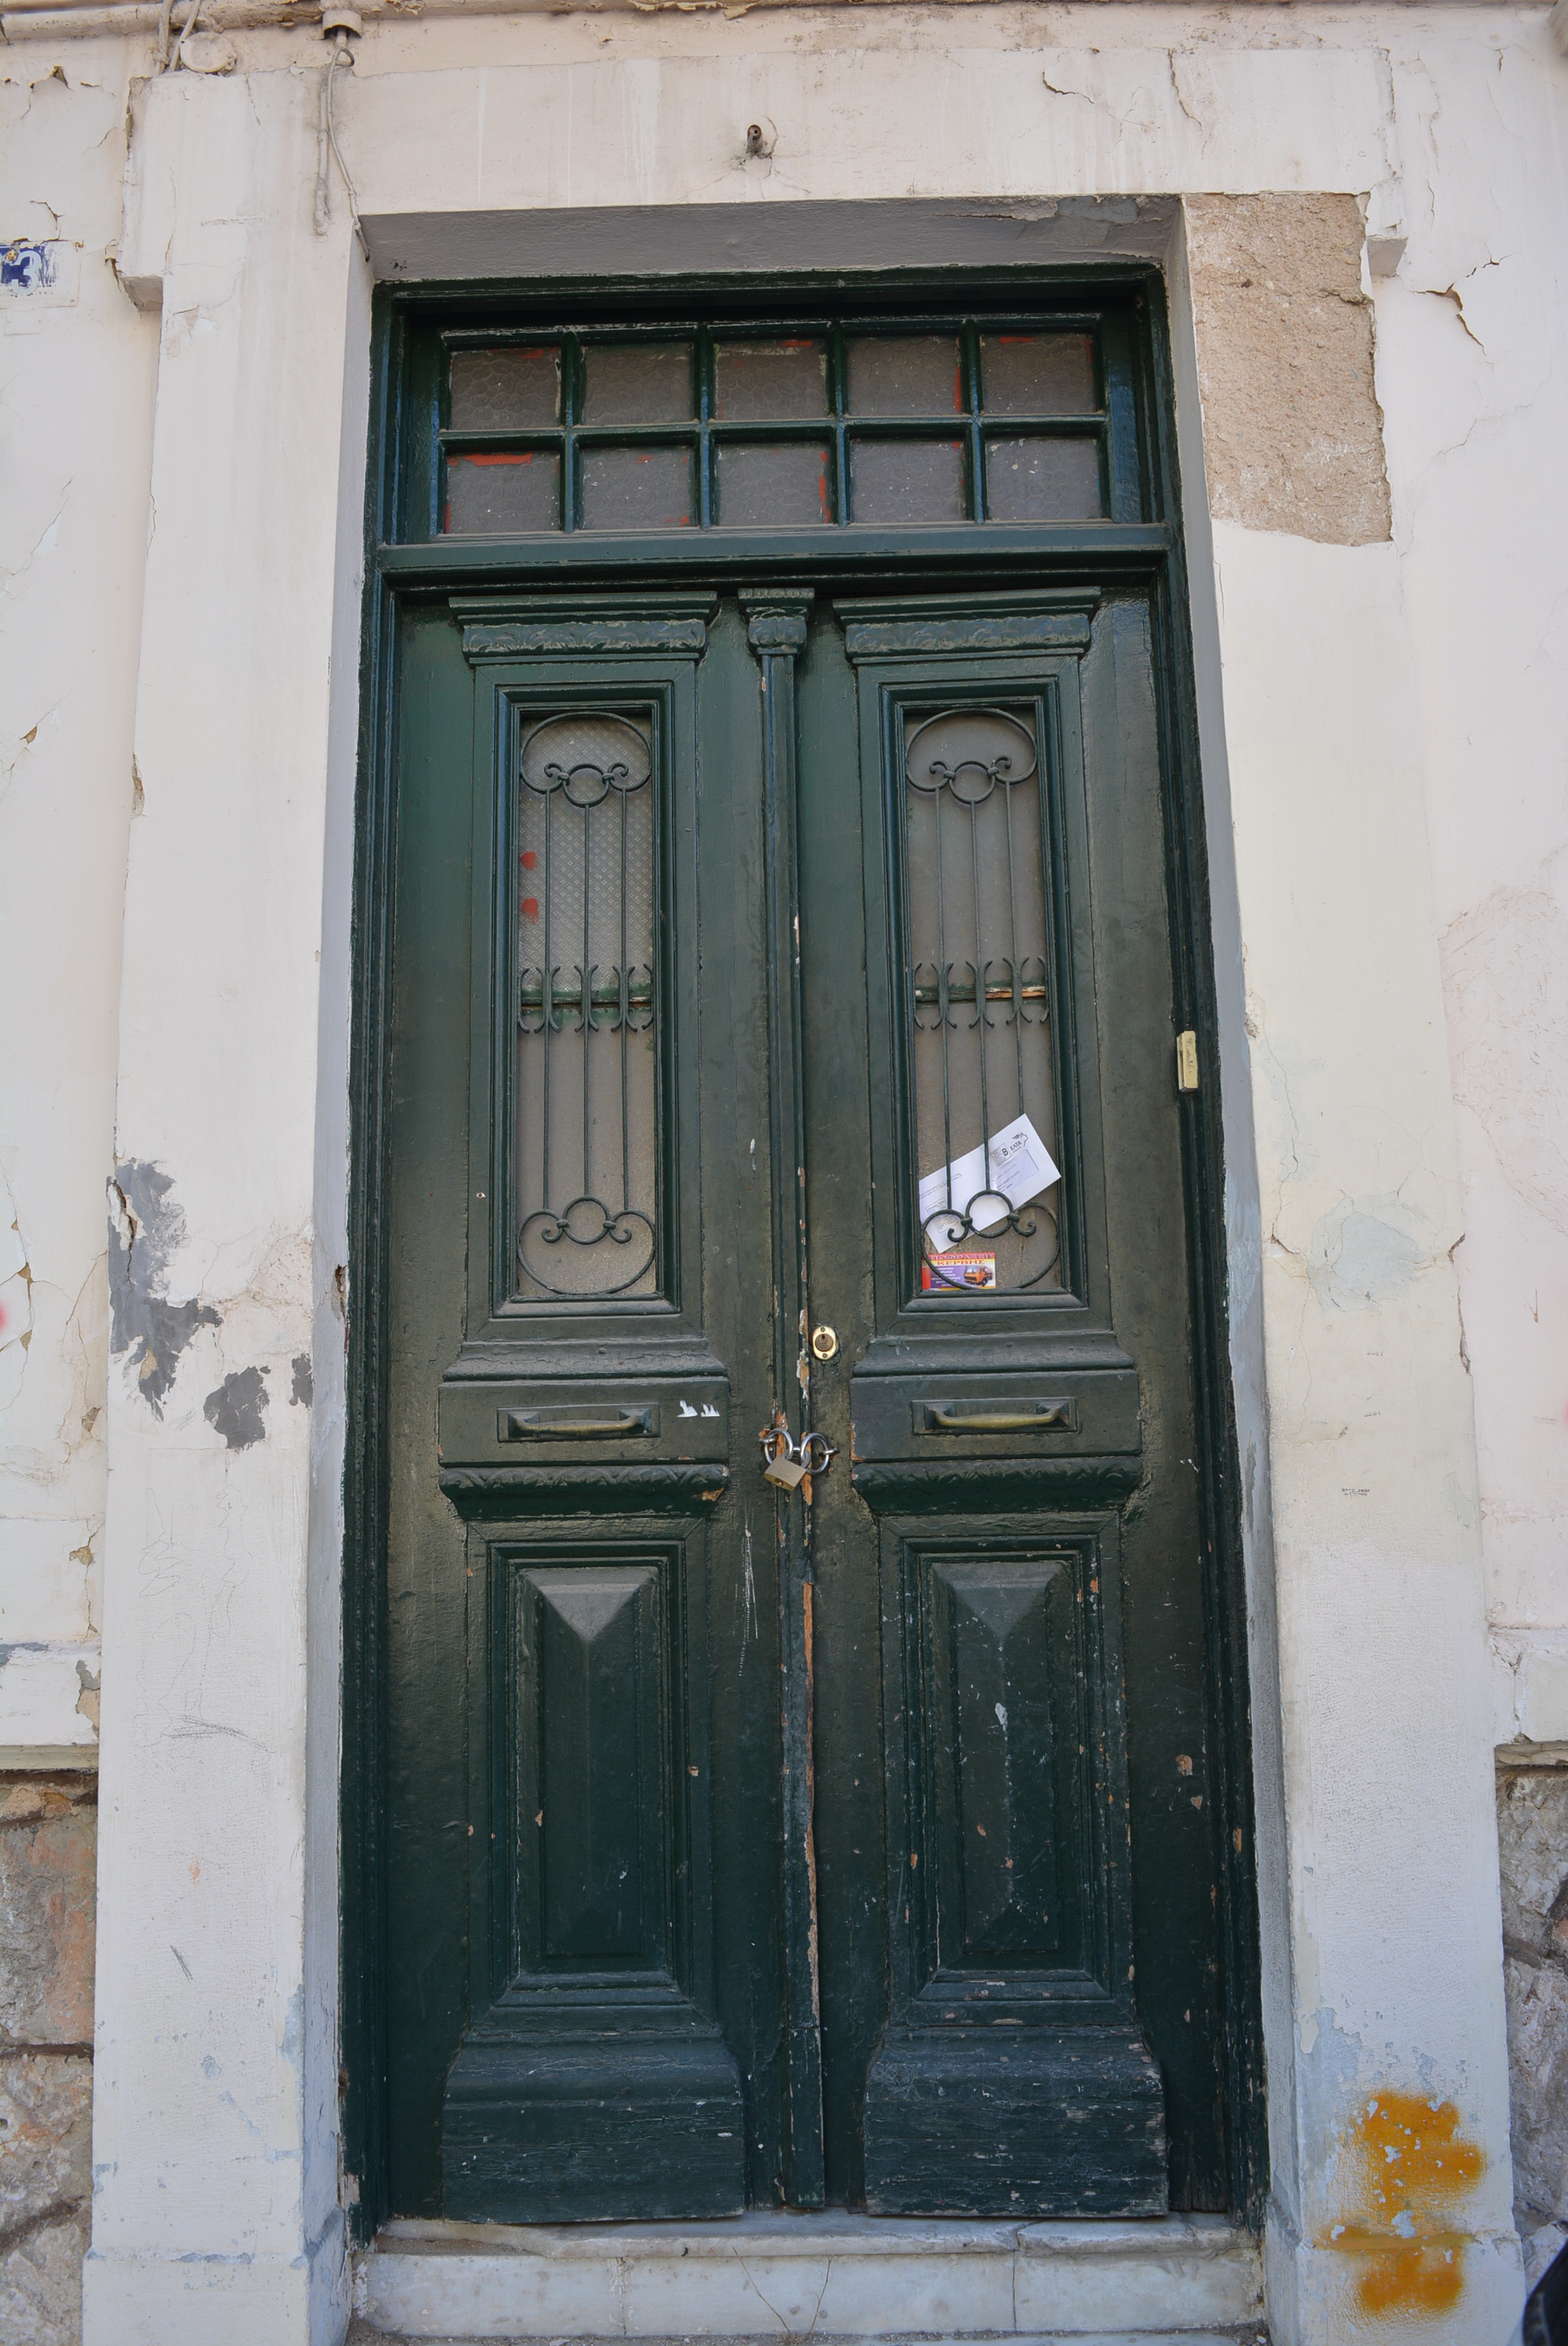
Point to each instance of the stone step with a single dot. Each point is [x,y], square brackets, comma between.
[1251,2334]
[1168,2281]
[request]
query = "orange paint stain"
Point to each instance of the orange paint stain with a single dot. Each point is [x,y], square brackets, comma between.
[1407,2165]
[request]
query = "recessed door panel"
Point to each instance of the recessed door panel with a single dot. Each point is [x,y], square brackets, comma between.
[1005,1749]
[587,1663]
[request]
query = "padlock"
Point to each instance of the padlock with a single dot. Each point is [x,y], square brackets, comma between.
[787,1473]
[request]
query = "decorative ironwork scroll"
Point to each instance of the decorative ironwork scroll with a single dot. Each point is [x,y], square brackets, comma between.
[587,1139]
[980,998]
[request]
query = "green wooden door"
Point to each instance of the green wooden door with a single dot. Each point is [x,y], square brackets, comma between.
[773,999]
[745,1847]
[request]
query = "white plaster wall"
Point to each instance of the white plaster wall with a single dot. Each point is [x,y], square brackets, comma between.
[216,2179]
[77,372]
[1473,378]
[1384,730]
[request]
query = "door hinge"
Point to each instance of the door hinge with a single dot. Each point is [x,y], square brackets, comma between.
[1187,1061]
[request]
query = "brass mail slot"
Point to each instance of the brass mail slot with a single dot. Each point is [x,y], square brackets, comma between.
[585,1421]
[1009,1416]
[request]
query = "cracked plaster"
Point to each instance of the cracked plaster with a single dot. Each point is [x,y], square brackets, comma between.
[73,493]
[1473,365]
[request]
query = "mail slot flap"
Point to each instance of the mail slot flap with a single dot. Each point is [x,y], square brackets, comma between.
[1034,1413]
[556,1419]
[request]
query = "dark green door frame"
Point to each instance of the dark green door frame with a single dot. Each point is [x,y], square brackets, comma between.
[1145,552]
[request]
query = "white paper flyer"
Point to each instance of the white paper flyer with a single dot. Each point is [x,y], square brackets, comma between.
[1017,1167]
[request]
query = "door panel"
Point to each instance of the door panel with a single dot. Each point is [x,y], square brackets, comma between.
[594,2076]
[752,1845]
[1004,1733]
[1010,1422]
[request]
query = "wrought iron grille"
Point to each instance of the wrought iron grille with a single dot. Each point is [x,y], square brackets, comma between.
[587,1162]
[977,865]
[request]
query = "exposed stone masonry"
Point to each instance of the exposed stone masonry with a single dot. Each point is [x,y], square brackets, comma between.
[1293,435]
[49,1843]
[1532,1844]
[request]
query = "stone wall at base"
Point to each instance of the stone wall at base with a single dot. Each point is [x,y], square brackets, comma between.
[48,1854]
[1532,1844]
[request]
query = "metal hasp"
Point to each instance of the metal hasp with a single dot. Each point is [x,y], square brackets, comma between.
[790,1465]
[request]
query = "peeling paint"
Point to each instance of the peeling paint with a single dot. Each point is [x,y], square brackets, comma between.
[88,1701]
[236,1408]
[145,1227]
[303,1390]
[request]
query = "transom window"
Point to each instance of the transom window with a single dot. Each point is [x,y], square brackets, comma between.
[994,419]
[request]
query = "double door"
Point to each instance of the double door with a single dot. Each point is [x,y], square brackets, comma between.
[796,1685]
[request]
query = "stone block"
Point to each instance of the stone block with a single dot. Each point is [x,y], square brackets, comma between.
[1292,432]
[41,2285]
[1533,1848]
[45,2186]
[49,1858]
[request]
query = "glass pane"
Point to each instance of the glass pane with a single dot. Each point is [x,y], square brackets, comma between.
[1043,479]
[637,488]
[908,480]
[984,1111]
[504,390]
[905,374]
[789,481]
[586,1161]
[1037,375]
[765,382]
[507,493]
[637,383]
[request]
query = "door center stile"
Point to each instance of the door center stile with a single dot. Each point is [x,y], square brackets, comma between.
[776,631]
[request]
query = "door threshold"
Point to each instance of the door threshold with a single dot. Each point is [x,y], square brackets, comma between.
[832,2276]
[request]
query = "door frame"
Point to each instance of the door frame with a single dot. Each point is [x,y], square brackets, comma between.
[1152,553]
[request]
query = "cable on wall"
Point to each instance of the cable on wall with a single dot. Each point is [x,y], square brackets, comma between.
[339,25]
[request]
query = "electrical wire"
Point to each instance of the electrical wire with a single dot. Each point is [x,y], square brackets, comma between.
[343,56]
[191,15]
[323,212]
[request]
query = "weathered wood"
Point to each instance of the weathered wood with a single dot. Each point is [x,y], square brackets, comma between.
[608,2125]
[502,1494]
[1069,2126]
[776,631]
